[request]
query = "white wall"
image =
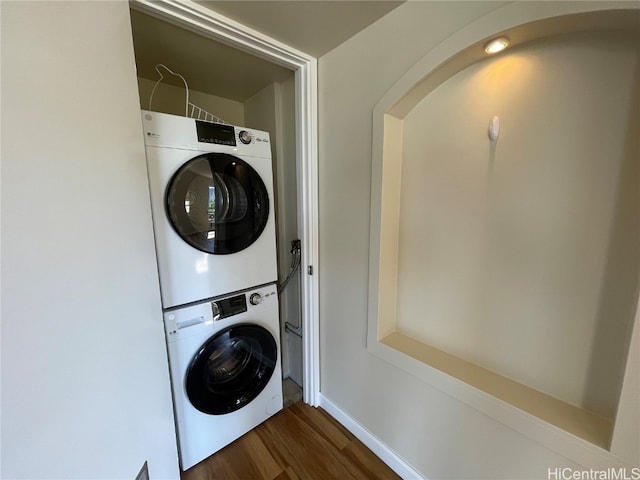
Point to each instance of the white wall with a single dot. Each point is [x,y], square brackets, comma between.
[440,436]
[85,385]
[507,252]
[260,113]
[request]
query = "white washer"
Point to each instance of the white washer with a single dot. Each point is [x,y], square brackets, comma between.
[211,188]
[226,374]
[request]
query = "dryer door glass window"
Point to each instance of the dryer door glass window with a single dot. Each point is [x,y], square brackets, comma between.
[217,203]
[231,369]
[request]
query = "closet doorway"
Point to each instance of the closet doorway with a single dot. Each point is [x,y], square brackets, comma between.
[246,79]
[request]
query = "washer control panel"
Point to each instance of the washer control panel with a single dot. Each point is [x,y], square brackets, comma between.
[227,307]
[255,299]
[187,320]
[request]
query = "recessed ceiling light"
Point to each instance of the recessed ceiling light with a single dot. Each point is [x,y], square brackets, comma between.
[496,45]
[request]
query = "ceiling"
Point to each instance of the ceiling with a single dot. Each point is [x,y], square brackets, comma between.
[314,27]
[311,26]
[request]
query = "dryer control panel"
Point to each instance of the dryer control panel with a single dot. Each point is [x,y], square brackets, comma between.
[173,131]
[215,133]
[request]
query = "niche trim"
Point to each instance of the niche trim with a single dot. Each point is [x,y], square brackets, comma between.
[577,434]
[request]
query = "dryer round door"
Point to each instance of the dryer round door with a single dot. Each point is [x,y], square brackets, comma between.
[231,369]
[217,203]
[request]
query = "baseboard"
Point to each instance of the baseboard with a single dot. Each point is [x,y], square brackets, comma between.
[372,442]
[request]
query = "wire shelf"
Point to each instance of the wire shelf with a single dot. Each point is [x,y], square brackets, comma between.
[190,110]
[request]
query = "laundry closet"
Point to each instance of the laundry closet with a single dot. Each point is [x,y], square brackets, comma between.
[176,67]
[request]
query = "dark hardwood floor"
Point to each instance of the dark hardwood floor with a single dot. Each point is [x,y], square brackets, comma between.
[300,442]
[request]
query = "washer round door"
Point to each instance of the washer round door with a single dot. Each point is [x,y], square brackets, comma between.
[217,203]
[231,369]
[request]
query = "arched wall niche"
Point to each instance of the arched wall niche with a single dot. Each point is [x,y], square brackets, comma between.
[591,430]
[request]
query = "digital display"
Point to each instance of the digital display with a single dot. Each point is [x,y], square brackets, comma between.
[232,306]
[215,133]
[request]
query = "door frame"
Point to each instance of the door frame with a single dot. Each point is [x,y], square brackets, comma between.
[210,24]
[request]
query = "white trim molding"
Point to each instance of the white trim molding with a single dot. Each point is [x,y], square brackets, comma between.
[210,24]
[373,443]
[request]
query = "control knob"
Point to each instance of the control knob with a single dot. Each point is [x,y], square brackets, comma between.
[245,137]
[255,299]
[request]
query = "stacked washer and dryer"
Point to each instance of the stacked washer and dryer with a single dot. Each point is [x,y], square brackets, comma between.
[212,196]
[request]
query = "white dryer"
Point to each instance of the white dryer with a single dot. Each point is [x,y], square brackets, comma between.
[211,188]
[224,358]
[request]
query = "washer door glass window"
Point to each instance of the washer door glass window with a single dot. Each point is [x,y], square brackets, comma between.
[217,203]
[231,369]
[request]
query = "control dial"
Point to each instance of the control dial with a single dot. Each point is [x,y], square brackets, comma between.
[245,137]
[255,299]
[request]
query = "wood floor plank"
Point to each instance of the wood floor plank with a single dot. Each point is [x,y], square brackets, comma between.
[259,455]
[298,443]
[368,462]
[234,462]
[319,422]
[288,474]
[310,455]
